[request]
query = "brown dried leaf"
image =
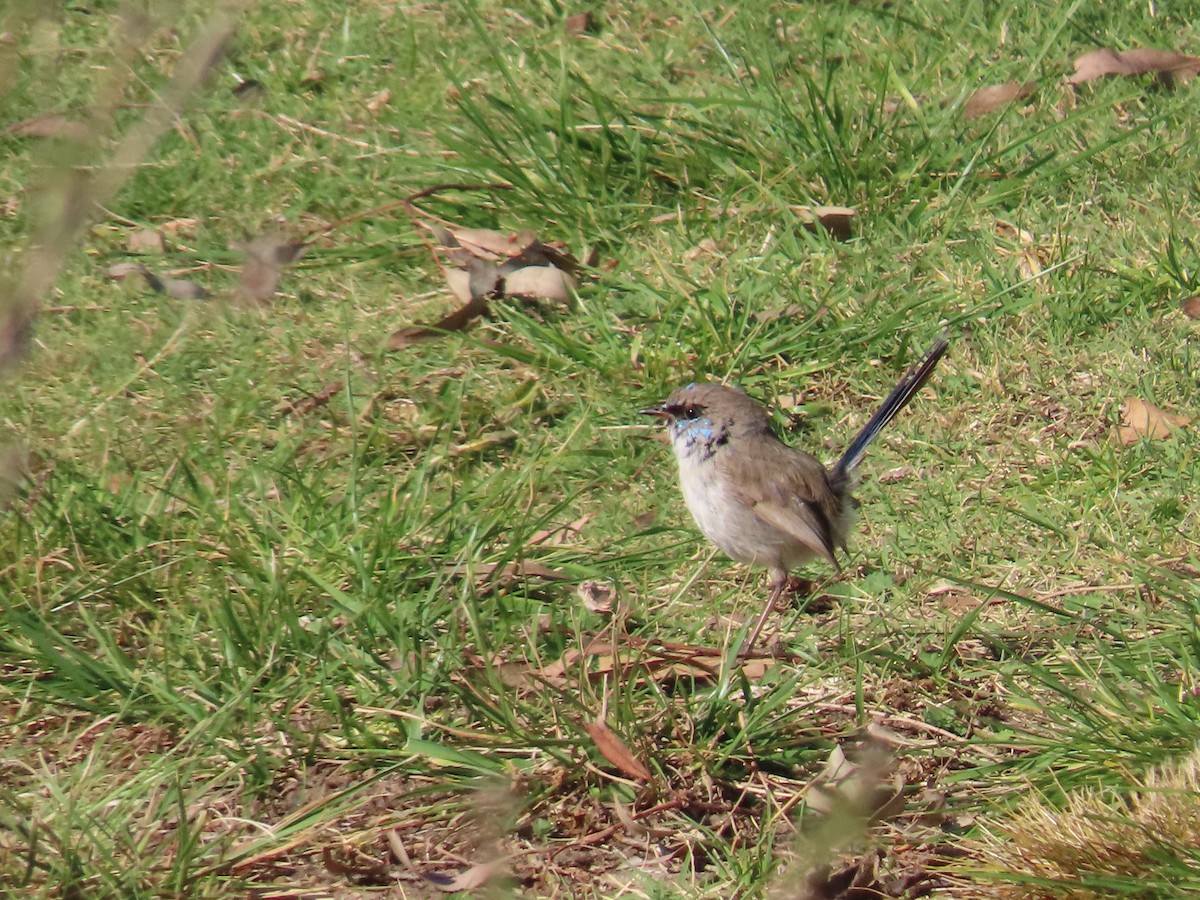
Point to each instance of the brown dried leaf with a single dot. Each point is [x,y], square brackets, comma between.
[614,750]
[441,235]
[580,23]
[539,254]
[955,598]
[121,271]
[642,521]
[1140,419]
[182,289]
[597,596]
[379,100]
[359,867]
[310,402]
[494,245]
[602,658]
[900,473]
[51,125]
[707,246]
[147,240]
[459,282]
[556,537]
[266,254]
[482,279]
[986,99]
[506,573]
[539,283]
[1191,307]
[1030,255]
[179,226]
[837,220]
[176,288]
[1167,64]
[471,879]
[248,88]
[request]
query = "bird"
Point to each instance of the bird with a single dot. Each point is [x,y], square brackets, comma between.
[759,500]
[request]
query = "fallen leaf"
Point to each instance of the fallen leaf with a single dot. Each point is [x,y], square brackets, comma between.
[50,126]
[707,246]
[556,537]
[491,244]
[955,598]
[1167,64]
[379,100]
[481,263]
[179,226]
[182,289]
[597,596]
[121,271]
[478,281]
[1140,419]
[310,402]
[453,250]
[147,240]
[361,867]
[459,282]
[539,283]
[266,254]
[176,288]
[837,220]
[986,99]
[1191,307]
[642,521]
[482,280]
[539,254]
[510,571]
[660,662]
[250,87]
[1029,253]
[580,23]
[900,473]
[470,879]
[614,750]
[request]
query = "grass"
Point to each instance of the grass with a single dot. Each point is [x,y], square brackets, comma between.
[272,618]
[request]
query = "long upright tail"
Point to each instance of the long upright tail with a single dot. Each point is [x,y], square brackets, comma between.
[896,401]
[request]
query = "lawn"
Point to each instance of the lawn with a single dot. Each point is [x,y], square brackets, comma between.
[303,598]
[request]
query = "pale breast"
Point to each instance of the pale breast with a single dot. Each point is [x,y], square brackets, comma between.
[732,526]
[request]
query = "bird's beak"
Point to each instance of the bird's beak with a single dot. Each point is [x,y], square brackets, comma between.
[659,412]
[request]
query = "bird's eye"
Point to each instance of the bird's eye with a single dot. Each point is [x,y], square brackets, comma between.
[691,411]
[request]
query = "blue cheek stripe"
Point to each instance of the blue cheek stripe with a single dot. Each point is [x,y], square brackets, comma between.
[698,430]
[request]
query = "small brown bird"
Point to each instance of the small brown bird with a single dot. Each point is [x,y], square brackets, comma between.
[757,499]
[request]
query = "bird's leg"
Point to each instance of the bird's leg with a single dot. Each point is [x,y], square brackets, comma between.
[779,581]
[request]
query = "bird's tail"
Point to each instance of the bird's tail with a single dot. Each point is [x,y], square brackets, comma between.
[896,401]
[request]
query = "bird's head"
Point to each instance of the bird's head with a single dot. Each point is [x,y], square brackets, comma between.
[700,417]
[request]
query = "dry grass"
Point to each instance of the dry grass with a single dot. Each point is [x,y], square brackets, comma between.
[1098,838]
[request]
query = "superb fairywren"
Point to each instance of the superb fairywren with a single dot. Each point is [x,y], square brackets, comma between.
[759,500]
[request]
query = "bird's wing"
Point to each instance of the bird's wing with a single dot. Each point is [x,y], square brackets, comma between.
[790,490]
[803,521]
